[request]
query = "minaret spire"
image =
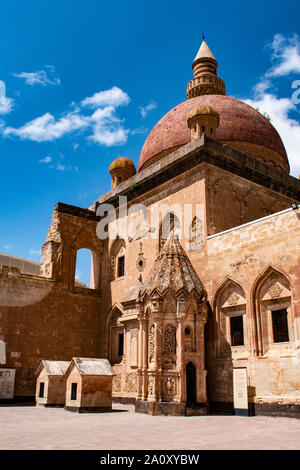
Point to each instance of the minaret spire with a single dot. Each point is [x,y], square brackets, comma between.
[205,81]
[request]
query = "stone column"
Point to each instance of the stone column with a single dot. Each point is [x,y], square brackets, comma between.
[158,358]
[145,359]
[140,359]
[179,362]
[201,371]
[201,374]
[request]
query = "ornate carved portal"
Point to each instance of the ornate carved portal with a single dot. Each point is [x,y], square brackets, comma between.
[164,334]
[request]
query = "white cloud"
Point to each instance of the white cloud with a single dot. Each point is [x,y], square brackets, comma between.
[46,160]
[145,110]
[285,56]
[285,52]
[39,78]
[60,167]
[7,247]
[2,89]
[53,163]
[112,97]
[47,128]
[35,252]
[289,129]
[109,137]
[107,128]
[139,130]
[6,105]
[104,127]
[78,274]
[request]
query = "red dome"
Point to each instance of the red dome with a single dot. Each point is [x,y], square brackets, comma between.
[241,127]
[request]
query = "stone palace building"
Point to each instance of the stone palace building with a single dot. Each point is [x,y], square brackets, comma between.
[174,310]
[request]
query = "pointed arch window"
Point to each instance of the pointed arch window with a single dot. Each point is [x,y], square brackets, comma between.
[117,259]
[117,337]
[274,317]
[231,310]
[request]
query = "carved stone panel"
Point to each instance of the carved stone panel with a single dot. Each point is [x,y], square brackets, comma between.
[131,382]
[151,343]
[170,344]
[133,347]
[116,383]
[169,388]
[150,385]
[197,234]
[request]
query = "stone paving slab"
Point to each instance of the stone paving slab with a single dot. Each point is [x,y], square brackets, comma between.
[54,428]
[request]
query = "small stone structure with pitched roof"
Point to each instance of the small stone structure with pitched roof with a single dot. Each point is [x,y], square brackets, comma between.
[89,385]
[51,384]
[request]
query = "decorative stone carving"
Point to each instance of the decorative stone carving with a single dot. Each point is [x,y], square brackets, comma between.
[169,386]
[150,385]
[233,298]
[275,290]
[197,235]
[141,262]
[151,343]
[169,342]
[131,382]
[116,384]
[133,333]
[133,346]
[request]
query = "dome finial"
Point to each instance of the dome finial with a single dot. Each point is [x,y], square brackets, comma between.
[205,81]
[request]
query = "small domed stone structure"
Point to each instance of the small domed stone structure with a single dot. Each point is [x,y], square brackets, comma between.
[203,120]
[121,169]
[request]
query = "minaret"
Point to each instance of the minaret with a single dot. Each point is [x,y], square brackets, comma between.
[205,81]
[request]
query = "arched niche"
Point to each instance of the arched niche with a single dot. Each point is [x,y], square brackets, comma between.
[272,311]
[117,259]
[231,315]
[116,336]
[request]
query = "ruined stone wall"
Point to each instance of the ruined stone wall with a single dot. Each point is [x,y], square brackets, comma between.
[42,320]
[49,316]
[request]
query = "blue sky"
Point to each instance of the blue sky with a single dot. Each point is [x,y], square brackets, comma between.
[85,81]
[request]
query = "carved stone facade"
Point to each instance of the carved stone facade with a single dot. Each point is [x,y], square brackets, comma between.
[225,294]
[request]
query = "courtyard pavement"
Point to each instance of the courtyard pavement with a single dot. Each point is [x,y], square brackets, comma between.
[28,427]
